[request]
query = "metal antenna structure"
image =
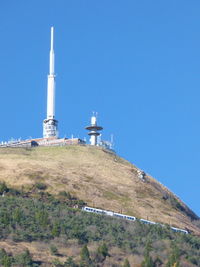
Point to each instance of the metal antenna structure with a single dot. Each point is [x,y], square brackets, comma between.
[93,130]
[50,124]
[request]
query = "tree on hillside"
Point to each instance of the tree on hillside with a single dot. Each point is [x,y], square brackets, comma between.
[70,263]
[3,188]
[56,229]
[85,257]
[158,262]
[102,253]
[24,259]
[126,263]
[53,250]
[41,217]
[5,259]
[148,261]
[174,257]
[17,215]
[57,263]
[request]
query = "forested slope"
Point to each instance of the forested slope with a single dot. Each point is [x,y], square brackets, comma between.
[38,229]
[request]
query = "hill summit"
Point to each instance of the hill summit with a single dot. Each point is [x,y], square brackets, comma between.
[100,178]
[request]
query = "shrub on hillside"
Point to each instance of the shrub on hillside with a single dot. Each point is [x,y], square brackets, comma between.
[85,256]
[102,253]
[24,259]
[126,263]
[53,250]
[57,263]
[65,194]
[5,259]
[41,186]
[3,188]
[70,263]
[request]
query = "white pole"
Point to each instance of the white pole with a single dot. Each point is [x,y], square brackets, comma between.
[51,65]
[51,82]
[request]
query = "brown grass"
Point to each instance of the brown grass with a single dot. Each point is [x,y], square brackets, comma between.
[101,179]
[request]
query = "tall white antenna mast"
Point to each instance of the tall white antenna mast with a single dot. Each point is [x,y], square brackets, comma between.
[52,59]
[50,124]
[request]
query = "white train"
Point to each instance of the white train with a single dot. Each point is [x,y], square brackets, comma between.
[127,217]
[109,213]
[179,230]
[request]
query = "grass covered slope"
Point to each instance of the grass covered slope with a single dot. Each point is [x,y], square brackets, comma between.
[99,178]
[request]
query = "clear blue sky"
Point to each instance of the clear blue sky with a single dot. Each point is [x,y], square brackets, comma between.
[135,62]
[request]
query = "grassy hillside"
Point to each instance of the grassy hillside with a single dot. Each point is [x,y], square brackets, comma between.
[100,178]
[39,225]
